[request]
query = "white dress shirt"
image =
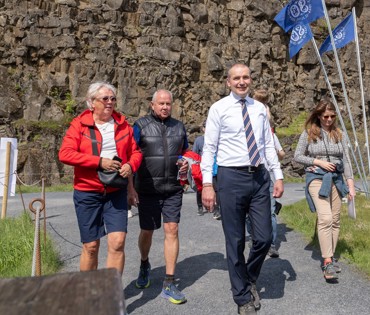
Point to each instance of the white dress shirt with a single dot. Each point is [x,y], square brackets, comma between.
[278,148]
[225,136]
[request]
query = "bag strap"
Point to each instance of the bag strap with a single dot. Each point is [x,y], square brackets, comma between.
[323,140]
[94,143]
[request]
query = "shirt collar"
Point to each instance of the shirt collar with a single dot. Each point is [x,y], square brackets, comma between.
[237,98]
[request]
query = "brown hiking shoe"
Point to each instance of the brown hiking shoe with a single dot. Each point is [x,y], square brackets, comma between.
[247,309]
[255,296]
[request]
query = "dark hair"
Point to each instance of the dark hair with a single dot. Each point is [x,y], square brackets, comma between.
[313,125]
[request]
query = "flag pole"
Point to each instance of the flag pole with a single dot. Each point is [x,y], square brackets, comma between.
[338,111]
[344,92]
[361,86]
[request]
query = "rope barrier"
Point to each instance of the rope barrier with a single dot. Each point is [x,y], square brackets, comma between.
[27,185]
[35,174]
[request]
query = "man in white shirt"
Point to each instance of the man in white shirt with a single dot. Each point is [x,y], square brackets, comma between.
[243,188]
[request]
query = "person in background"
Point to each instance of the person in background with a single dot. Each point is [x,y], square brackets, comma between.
[238,131]
[198,148]
[131,213]
[100,210]
[323,150]
[157,192]
[262,96]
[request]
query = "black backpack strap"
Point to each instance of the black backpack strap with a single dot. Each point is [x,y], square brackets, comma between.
[93,141]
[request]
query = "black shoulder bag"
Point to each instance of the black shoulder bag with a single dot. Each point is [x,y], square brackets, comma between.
[108,178]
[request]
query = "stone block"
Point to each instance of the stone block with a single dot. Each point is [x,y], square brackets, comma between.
[235,5]
[214,63]
[199,12]
[267,8]
[71,3]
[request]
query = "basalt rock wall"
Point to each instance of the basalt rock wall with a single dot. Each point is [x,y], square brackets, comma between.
[50,51]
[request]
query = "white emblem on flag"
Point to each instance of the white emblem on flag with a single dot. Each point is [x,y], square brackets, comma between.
[299,33]
[339,36]
[299,10]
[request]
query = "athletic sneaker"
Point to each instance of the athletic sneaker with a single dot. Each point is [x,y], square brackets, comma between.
[273,252]
[172,293]
[143,280]
[329,272]
[217,214]
[200,211]
[336,265]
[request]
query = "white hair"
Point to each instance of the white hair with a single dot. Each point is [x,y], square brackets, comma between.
[94,89]
[161,90]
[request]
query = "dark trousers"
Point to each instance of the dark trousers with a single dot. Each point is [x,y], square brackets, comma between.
[239,193]
[199,199]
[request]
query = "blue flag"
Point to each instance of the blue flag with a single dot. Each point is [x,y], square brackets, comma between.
[343,34]
[305,11]
[301,34]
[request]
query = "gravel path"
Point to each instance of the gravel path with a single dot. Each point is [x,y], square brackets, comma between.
[291,284]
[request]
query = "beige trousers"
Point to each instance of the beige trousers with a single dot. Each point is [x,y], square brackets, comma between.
[328,217]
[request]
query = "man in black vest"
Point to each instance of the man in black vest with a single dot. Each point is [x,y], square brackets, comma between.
[158,192]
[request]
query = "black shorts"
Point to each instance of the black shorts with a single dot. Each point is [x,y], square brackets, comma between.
[151,207]
[99,214]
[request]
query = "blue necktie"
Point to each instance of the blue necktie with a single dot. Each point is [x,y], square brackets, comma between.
[254,155]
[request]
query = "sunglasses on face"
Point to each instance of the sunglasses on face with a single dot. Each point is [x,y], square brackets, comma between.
[327,116]
[107,98]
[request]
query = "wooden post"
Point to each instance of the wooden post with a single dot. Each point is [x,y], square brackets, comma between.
[44,212]
[6,180]
[36,260]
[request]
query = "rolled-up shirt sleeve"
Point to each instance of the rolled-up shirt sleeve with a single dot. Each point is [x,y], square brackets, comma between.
[271,157]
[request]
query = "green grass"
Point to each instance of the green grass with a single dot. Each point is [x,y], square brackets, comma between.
[16,243]
[290,179]
[36,189]
[295,128]
[354,240]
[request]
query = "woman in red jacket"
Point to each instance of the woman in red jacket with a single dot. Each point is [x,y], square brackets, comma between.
[100,209]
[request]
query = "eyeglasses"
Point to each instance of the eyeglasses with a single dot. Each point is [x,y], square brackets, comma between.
[327,116]
[107,98]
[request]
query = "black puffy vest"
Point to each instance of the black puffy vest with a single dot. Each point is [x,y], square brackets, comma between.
[161,142]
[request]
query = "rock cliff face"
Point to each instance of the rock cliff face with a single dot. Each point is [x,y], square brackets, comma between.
[50,51]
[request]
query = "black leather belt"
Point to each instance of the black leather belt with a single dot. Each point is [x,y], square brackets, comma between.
[247,168]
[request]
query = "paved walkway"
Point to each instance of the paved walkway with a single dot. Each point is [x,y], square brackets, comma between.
[291,284]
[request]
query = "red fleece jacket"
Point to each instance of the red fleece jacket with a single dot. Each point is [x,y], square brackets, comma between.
[76,150]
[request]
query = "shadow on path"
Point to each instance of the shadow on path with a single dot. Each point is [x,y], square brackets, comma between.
[276,271]
[191,269]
